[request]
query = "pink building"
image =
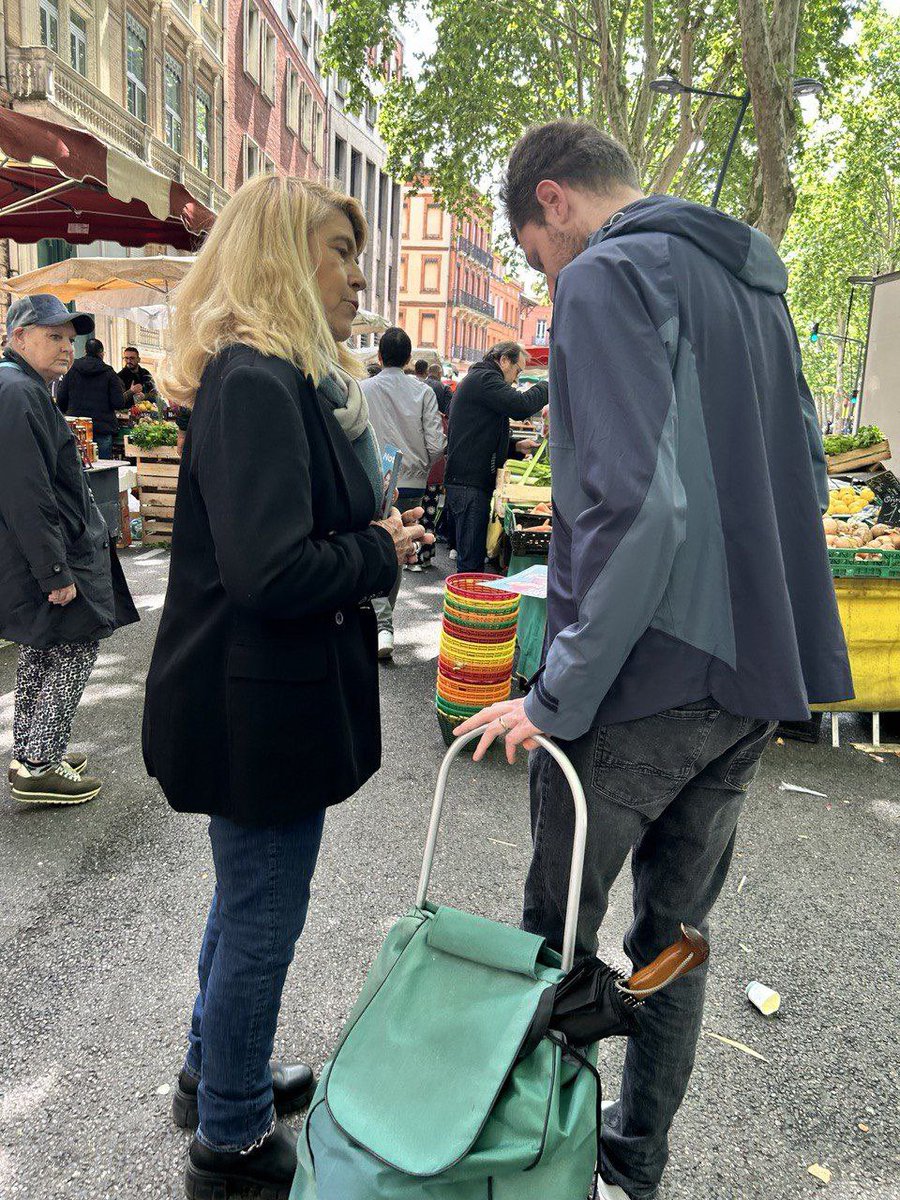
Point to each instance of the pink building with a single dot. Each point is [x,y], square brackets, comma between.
[276,107]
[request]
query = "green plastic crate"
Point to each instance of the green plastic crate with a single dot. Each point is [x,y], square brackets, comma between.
[847,564]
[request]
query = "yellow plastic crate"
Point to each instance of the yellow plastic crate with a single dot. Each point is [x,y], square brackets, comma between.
[870,615]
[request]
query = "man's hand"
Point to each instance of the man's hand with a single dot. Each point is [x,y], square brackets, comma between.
[527,446]
[136,389]
[506,719]
[63,596]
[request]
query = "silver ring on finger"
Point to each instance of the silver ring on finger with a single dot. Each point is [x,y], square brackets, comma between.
[503,725]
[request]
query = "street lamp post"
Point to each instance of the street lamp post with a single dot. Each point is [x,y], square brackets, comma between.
[670,86]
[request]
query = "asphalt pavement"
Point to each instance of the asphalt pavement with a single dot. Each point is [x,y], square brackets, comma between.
[102,908]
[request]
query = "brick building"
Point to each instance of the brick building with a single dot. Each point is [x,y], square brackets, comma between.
[506,298]
[144,77]
[276,97]
[536,319]
[445,279]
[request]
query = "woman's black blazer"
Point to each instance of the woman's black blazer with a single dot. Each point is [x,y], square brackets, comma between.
[262,697]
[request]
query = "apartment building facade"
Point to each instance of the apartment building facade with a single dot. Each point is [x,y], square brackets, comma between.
[506,299]
[536,318]
[357,163]
[144,77]
[446,270]
[277,110]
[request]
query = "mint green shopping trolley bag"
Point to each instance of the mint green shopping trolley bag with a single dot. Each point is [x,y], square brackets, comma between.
[445,1084]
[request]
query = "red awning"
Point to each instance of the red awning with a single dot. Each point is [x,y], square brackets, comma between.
[538,356]
[57,182]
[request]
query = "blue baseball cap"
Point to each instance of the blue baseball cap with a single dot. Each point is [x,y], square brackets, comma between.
[44,309]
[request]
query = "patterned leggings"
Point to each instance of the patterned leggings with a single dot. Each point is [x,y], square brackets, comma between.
[49,687]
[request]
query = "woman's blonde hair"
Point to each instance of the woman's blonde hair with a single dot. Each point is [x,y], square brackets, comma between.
[254,283]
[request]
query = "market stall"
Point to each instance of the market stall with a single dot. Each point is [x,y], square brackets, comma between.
[862,530]
[520,538]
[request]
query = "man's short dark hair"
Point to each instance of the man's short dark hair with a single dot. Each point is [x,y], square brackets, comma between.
[511,350]
[573,152]
[132,350]
[421,366]
[93,348]
[395,347]
[435,371]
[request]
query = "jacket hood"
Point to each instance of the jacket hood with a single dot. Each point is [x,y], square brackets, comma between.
[742,250]
[87,365]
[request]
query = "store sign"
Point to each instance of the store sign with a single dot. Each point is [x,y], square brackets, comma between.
[886,487]
[78,227]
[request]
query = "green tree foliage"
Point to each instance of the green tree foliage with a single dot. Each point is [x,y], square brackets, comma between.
[847,219]
[501,65]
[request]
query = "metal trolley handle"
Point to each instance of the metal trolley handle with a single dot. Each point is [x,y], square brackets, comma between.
[578,847]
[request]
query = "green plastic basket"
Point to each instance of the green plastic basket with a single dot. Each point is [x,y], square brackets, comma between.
[864,564]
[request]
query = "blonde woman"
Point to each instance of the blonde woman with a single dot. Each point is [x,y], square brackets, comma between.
[262,698]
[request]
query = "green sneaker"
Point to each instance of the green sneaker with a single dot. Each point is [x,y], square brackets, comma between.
[56,785]
[76,761]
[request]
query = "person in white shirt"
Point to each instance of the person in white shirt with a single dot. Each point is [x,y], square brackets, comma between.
[404,413]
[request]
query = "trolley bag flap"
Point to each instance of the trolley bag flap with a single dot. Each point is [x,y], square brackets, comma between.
[417,1077]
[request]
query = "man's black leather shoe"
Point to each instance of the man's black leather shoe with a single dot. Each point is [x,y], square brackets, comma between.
[293,1085]
[266,1172]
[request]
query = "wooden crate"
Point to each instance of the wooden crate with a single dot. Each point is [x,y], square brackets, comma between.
[509,492]
[157,472]
[854,460]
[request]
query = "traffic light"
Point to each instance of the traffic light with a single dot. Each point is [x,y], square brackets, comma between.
[814,332]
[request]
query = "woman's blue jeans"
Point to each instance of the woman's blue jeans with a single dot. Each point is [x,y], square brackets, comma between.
[257,913]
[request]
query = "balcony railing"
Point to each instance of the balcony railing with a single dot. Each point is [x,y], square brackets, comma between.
[465,353]
[484,257]
[474,302]
[36,73]
[541,339]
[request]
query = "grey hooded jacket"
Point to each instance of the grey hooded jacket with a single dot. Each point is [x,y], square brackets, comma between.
[688,558]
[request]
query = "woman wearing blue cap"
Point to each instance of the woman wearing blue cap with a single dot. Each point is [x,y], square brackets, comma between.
[61,586]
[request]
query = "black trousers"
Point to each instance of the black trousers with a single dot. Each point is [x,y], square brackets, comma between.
[471,509]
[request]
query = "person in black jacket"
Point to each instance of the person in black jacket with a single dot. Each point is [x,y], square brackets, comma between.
[484,401]
[434,379]
[137,381]
[91,388]
[262,701]
[61,586]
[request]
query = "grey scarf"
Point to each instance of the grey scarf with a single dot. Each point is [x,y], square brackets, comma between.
[345,397]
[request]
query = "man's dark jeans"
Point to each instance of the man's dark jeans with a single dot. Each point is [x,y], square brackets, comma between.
[471,510]
[669,788]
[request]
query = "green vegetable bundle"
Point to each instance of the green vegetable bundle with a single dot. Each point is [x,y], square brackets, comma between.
[148,435]
[866,436]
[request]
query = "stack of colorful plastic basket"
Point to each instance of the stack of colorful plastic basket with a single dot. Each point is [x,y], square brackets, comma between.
[478,640]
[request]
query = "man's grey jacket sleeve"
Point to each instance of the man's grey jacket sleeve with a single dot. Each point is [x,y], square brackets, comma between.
[27,500]
[617,412]
[432,426]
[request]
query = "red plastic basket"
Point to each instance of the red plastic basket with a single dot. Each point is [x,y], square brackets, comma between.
[471,587]
[478,637]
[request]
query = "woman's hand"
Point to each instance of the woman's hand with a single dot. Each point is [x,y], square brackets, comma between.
[407,534]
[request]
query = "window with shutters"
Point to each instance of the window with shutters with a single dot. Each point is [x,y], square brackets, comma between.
[203,125]
[269,58]
[252,158]
[306,119]
[428,330]
[172,74]
[292,99]
[252,44]
[434,221]
[78,43]
[136,68]
[431,274]
[49,10]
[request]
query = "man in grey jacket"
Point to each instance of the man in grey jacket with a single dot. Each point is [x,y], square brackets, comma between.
[404,413]
[690,601]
